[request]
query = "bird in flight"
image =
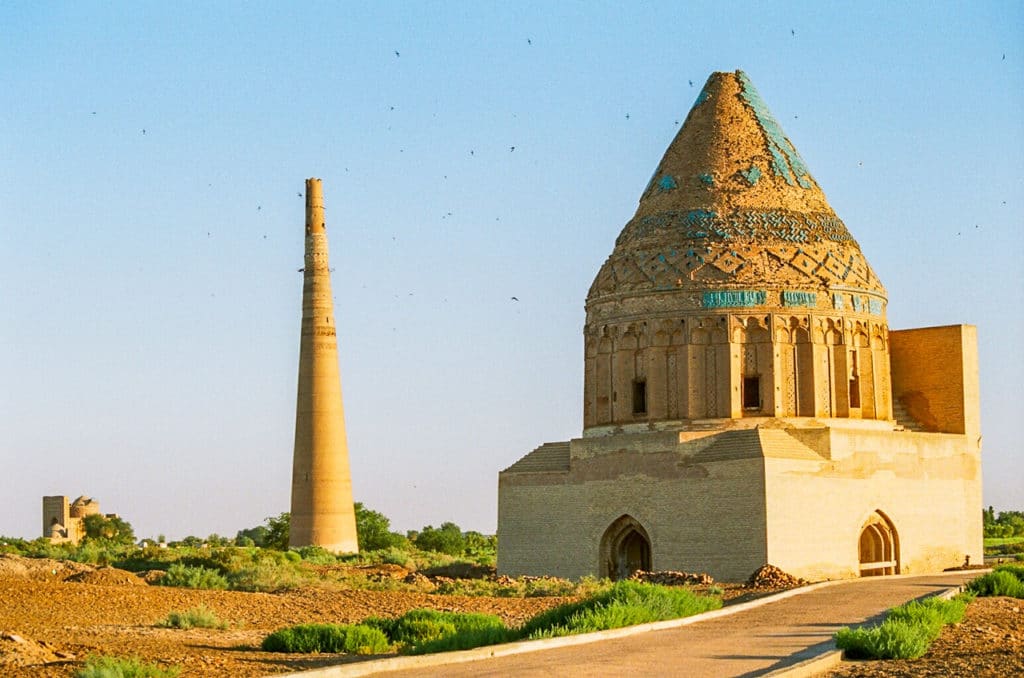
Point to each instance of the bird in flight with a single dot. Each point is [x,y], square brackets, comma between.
[397,54]
[515,298]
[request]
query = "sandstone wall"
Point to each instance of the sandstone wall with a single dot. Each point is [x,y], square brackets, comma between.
[928,485]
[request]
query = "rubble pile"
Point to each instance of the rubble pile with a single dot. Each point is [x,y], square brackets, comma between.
[673,578]
[771,577]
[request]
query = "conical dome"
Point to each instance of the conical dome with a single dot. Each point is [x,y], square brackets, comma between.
[732,206]
[734,291]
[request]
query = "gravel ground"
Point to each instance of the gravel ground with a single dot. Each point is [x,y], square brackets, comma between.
[47,628]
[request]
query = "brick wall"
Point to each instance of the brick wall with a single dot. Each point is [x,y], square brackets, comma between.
[935,375]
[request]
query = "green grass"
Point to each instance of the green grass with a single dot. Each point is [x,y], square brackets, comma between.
[197,618]
[421,631]
[1005,580]
[424,631]
[623,604]
[999,541]
[907,632]
[309,638]
[123,667]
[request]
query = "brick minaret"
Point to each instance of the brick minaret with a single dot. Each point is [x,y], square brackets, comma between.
[322,510]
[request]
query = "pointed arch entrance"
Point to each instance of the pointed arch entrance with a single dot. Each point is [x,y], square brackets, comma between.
[878,546]
[625,548]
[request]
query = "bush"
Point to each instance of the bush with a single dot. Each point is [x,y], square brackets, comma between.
[308,638]
[193,577]
[1003,581]
[906,633]
[890,640]
[198,617]
[119,667]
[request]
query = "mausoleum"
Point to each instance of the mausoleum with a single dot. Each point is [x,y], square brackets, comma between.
[745,401]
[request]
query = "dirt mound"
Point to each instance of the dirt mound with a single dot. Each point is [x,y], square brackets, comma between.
[39,569]
[108,576]
[673,578]
[771,577]
[17,650]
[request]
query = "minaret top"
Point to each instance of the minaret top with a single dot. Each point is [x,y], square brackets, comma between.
[315,207]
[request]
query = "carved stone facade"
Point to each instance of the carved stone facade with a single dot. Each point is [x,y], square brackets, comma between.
[742,404]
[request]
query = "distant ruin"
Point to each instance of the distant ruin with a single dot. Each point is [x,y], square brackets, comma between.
[64,522]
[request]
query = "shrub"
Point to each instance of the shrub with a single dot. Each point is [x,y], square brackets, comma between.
[363,639]
[894,639]
[198,617]
[120,667]
[193,577]
[308,638]
[906,633]
[317,555]
[1000,582]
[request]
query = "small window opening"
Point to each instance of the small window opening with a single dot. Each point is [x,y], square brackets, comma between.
[751,393]
[640,396]
[855,392]
[854,381]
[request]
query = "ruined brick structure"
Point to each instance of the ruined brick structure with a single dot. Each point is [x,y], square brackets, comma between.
[62,522]
[744,399]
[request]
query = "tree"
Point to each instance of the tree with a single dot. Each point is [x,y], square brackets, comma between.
[446,539]
[277,531]
[254,536]
[374,530]
[109,528]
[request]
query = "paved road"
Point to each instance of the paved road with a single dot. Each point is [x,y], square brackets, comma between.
[748,643]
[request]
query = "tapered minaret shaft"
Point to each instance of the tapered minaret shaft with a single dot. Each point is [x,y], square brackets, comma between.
[322,509]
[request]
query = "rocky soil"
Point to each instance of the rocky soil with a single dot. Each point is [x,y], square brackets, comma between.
[54,614]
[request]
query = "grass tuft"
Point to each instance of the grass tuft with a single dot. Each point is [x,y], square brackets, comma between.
[123,667]
[200,617]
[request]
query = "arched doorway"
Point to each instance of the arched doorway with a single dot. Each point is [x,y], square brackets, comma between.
[878,546]
[625,548]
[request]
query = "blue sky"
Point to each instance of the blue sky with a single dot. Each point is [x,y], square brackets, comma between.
[151,224]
